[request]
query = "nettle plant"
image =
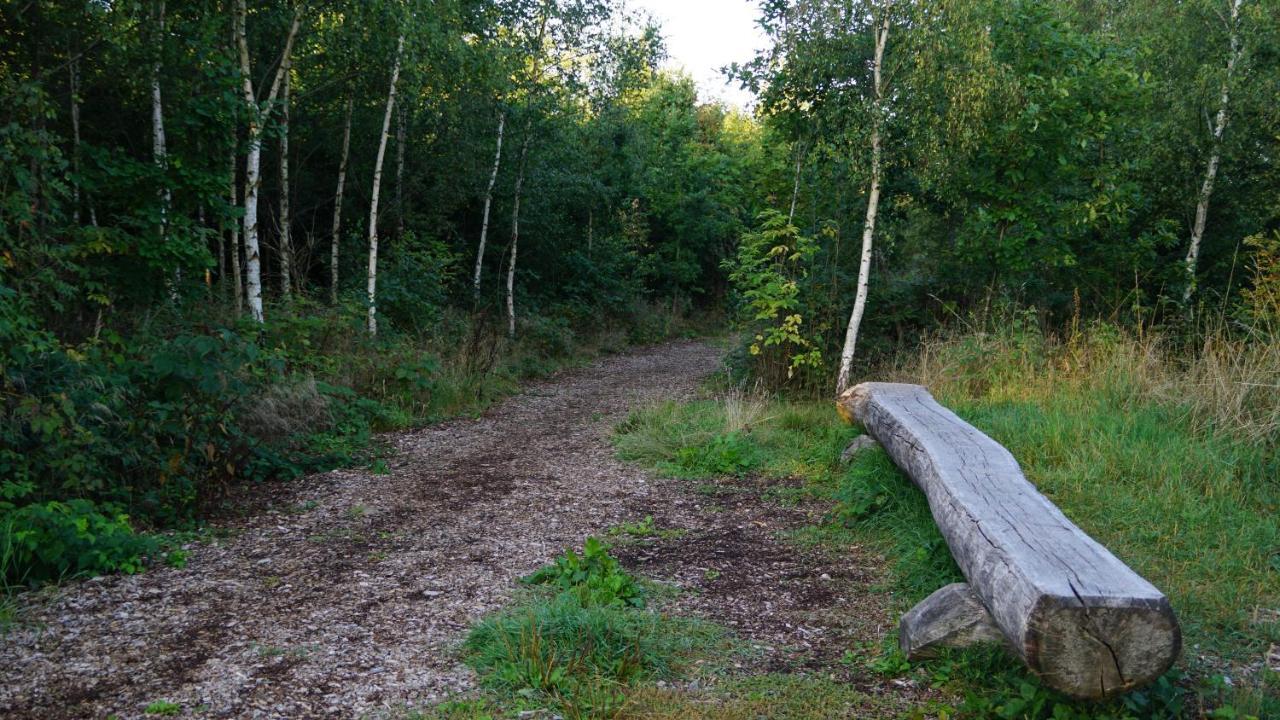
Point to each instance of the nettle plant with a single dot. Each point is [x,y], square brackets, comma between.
[771,263]
[594,578]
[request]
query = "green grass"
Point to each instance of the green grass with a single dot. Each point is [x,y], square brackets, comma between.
[1189,506]
[567,647]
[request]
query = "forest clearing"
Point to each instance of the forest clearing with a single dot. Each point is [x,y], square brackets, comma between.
[650,359]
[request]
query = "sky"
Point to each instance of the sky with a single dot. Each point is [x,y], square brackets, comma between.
[705,35]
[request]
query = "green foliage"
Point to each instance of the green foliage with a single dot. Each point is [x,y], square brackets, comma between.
[767,273]
[594,578]
[54,540]
[163,707]
[729,454]
[583,647]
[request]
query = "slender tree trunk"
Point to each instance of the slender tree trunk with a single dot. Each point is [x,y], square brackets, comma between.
[337,205]
[286,238]
[515,238]
[237,278]
[869,225]
[258,116]
[377,183]
[159,151]
[795,185]
[488,200]
[400,137]
[1215,155]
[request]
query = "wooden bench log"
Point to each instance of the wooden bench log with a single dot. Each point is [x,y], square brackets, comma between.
[1081,619]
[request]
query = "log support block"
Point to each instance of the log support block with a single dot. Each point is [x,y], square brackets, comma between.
[1080,618]
[952,616]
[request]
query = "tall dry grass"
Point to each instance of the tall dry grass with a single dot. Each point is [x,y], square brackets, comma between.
[1226,384]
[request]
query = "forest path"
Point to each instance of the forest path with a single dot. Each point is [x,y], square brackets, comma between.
[349,595]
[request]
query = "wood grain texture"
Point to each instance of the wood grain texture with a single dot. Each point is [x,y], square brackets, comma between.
[953,616]
[1080,618]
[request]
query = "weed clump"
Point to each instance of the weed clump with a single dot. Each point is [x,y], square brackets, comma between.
[583,640]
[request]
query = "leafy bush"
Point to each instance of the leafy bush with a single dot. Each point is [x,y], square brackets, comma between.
[767,273]
[53,540]
[594,578]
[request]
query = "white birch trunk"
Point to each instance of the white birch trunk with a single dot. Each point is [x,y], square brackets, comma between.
[515,239]
[258,117]
[869,225]
[377,183]
[286,239]
[337,206]
[159,151]
[488,200]
[1215,154]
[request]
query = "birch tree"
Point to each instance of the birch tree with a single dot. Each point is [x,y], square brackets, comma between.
[377,186]
[1219,126]
[488,200]
[515,236]
[337,204]
[881,30]
[258,116]
[159,151]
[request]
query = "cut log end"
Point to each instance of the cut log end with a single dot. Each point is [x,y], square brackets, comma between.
[1094,652]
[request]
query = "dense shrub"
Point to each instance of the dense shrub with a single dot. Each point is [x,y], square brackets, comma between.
[48,541]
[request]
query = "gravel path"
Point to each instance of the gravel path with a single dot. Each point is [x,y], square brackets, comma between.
[350,594]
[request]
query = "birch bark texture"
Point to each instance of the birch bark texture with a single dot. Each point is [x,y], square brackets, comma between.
[515,235]
[488,201]
[335,241]
[1079,617]
[159,149]
[873,206]
[372,284]
[257,117]
[1215,151]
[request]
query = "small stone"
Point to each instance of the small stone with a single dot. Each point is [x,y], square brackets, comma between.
[860,443]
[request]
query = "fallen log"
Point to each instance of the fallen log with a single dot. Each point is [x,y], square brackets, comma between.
[1080,618]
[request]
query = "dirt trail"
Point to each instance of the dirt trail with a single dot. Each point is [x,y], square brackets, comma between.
[348,596]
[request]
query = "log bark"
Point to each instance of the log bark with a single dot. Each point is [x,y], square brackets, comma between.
[1079,617]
